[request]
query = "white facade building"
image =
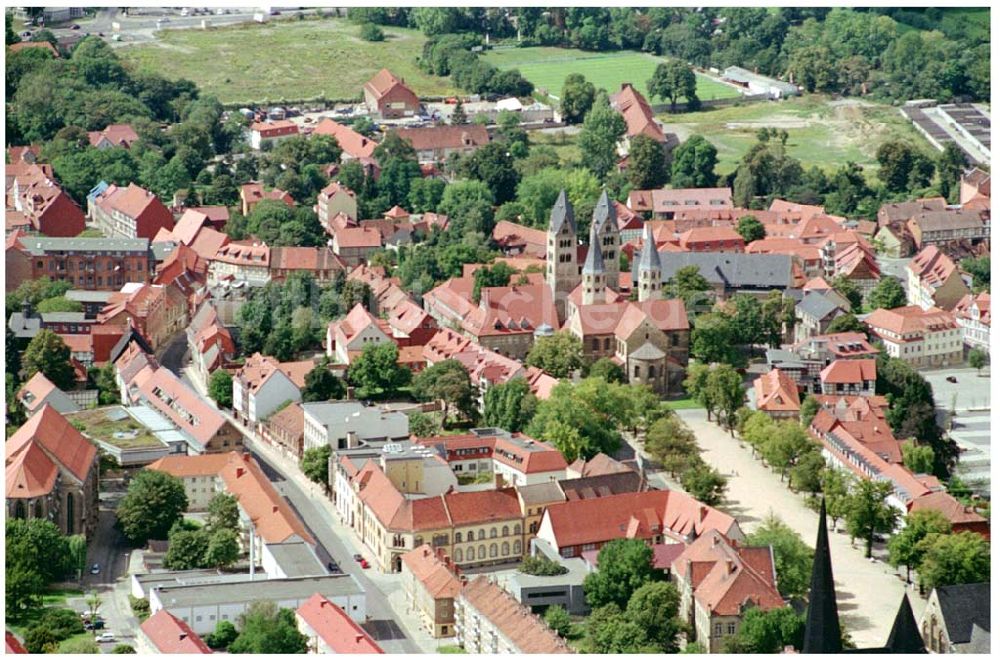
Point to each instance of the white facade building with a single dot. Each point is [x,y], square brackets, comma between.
[344,424]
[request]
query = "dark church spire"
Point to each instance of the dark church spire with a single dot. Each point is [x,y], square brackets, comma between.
[822,635]
[905,636]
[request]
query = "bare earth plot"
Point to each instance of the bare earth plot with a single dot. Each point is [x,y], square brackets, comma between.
[285,59]
[821,132]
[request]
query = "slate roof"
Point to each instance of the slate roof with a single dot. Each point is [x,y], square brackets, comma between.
[962,606]
[562,212]
[594,263]
[816,305]
[731,269]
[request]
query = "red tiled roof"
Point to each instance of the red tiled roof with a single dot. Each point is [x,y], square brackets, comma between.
[38,387]
[432,573]
[637,113]
[275,128]
[335,627]
[511,309]
[849,371]
[911,319]
[185,407]
[957,514]
[203,465]
[527,632]
[273,519]
[445,136]
[13,646]
[131,201]
[981,301]
[59,441]
[709,235]
[173,636]
[726,578]
[353,144]
[775,391]
[634,515]
[674,200]
[477,507]
[383,82]
[119,134]
[22,45]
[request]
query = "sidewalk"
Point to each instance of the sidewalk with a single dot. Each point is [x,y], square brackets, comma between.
[389,585]
[868,594]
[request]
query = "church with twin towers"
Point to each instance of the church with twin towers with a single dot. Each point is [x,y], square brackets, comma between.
[617,315]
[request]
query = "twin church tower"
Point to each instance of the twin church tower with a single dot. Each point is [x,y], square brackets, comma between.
[601,268]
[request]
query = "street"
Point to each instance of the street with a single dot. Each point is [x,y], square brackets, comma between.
[868,593]
[337,543]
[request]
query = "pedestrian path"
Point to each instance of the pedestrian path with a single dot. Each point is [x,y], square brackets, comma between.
[868,593]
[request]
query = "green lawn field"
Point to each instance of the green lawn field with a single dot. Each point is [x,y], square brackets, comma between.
[285,59]
[821,132]
[547,69]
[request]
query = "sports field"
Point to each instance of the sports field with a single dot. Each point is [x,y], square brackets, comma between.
[285,59]
[822,132]
[548,67]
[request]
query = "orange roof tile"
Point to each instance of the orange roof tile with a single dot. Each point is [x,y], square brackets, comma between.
[849,371]
[60,441]
[526,631]
[335,627]
[171,635]
[353,144]
[432,573]
[775,391]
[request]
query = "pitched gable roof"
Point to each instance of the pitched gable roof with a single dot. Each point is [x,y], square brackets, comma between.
[776,391]
[59,441]
[335,627]
[527,632]
[173,636]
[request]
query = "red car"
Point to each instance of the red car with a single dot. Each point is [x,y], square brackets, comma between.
[364,564]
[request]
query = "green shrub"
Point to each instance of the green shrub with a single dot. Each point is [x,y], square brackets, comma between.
[541,566]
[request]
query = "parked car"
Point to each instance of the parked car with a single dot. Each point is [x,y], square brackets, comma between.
[364,564]
[358,557]
[95,569]
[74,26]
[332,567]
[951,379]
[107,637]
[94,625]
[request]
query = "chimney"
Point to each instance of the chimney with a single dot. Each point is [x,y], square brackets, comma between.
[349,396]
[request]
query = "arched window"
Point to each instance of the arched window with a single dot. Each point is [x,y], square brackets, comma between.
[517,529]
[470,536]
[482,534]
[470,554]
[493,532]
[19,510]
[517,547]
[504,531]
[458,556]
[493,550]
[458,537]
[482,551]
[39,511]
[504,549]
[70,525]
